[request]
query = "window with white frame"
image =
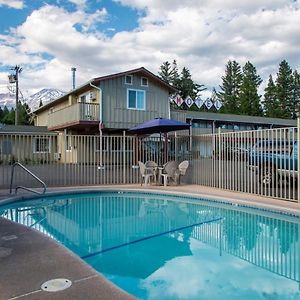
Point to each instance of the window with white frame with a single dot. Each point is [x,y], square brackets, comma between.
[136,99]
[144,81]
[129,79]
[41,145]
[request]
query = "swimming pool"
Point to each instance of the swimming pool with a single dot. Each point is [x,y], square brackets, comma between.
[168,247]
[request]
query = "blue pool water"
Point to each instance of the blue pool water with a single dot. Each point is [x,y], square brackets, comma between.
[166,247]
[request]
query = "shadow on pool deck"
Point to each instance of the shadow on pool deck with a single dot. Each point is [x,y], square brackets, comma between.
[29,258]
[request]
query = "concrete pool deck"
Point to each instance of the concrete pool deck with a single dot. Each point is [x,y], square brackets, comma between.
[28,258]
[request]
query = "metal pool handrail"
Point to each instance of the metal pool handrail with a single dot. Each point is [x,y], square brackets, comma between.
[23,187]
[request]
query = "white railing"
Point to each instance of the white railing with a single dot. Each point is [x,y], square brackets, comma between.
[257,162]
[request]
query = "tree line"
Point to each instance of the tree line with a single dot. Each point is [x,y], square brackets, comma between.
[7,116]
[238,92]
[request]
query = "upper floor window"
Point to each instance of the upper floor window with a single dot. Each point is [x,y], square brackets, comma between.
[144,81]
[136,99]
[128,79]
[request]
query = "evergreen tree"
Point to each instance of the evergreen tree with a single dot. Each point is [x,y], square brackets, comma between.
[270,102]
[295,108]
[284,89]
[165,72]
[230,88]
[175,78]
[249,98]
[187,86]
[23,114]
[1,114]
[9,116]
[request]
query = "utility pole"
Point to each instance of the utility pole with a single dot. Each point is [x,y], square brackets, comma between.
[14,78]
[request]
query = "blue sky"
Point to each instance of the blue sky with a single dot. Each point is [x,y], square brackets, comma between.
[101,37]
[119,17]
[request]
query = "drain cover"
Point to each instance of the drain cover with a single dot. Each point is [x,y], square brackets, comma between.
[56,285]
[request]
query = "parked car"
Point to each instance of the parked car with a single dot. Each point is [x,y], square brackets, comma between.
[273,161]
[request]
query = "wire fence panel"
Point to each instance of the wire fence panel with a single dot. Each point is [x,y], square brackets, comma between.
[258,162]
[264,162]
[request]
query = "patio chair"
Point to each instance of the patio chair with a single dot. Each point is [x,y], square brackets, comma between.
[168,172]
[152,165]
[182,167]
[146,173]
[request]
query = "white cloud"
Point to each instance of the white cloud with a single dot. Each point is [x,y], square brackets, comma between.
[17,4]
[80,3]
[201,37]
[208,275]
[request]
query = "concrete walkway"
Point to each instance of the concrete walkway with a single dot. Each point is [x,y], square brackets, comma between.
[28,258]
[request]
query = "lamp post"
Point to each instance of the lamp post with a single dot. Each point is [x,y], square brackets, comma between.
[14,78]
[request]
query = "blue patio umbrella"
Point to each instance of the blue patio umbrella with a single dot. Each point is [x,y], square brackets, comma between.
[159,125]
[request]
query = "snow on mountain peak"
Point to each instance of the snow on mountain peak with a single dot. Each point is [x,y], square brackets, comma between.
[44,95]
[33,101]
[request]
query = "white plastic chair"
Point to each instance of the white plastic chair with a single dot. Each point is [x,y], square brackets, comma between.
[182,167]
[146,173]
[168,171]
[152,166]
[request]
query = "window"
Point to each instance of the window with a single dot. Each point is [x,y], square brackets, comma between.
[41,145]
[144,81]
[136,99]
[128,79]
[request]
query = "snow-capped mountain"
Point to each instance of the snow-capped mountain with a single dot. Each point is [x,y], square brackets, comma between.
[45,95]
[33,101]
[8,100]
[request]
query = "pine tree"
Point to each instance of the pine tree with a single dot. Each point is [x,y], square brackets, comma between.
[165,72]
[9,116]
[249,98]
[186,85]
[270,102]
[175,78]
[284,89]
[23,114]
[295,108]
[1,114]
[230,88]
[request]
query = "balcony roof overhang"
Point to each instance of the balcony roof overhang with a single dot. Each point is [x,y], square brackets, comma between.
[75,125]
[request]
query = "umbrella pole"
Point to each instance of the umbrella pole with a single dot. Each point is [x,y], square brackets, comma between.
[166,147]
[160,160]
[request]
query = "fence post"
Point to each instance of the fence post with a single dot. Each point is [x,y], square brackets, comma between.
[65,157]
[124,157]
[219,157]
[298,167]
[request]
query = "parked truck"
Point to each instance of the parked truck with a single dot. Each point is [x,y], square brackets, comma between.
[275,161]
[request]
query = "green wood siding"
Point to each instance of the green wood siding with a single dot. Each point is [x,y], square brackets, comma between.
[114,97]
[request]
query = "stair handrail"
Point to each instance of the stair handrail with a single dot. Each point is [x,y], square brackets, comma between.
[23,187]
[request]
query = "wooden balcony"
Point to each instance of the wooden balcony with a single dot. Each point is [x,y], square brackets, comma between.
[74,116]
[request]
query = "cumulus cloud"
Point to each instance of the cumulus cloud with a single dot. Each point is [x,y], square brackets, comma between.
[17,4]
[201,37]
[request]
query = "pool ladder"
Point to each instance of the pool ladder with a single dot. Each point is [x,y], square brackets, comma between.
[23,187]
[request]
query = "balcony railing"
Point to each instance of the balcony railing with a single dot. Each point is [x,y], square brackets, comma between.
[74,114]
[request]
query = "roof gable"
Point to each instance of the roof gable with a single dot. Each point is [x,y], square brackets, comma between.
[96,80]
